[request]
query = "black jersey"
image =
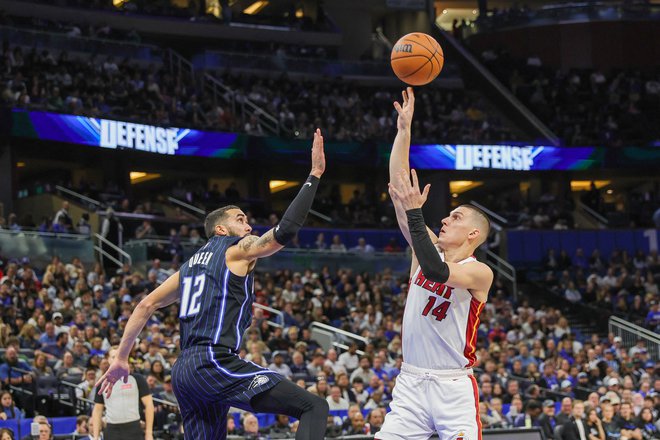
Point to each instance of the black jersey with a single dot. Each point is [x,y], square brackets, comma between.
[216,305]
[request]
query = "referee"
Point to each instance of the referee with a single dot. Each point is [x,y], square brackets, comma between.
[123,409]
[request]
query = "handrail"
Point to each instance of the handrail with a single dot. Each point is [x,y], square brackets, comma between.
[35,233]
[107,255]
[499,265]
[270,122]
[338,331]
[186,205]
[79,196]
[536,122]
[491,213]
[633,328]
[273,311]
[96,40]
[321,216]
[599,218]
[113,246]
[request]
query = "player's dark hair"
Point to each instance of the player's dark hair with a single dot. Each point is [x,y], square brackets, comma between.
[214,218]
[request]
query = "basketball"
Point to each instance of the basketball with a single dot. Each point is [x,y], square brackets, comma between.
[417,59]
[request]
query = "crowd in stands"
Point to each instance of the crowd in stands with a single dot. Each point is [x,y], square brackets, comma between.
[119,88]
[61,319]
[584,107]
[623,284]
[348,111]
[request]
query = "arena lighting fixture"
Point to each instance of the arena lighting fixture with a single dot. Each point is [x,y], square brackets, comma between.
[255,7]
[585,185]
[141,176]
[461,186]
[20,164]
[118,3]
[281,185]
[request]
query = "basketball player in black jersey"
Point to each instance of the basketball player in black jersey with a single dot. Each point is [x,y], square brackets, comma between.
[216,291]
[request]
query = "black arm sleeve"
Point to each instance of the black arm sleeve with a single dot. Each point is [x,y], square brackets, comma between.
[429,260]
[296,213]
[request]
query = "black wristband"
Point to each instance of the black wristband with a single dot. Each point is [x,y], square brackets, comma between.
[296,213]
[429,260]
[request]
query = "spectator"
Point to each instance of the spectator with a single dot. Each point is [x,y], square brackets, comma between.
[531,416]
[349,359]
[62,217]
[575,428]
[336,401]
[375,420]
[595,429]
[337,245]
[41,368]
[364,371]
[280,428]
[82,431]
[279,366]
[547,420]
[6,434]
[85,389]
[357,425]
[250,427]
[363,247]
[9,410]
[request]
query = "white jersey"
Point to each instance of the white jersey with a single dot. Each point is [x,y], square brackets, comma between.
[440,324]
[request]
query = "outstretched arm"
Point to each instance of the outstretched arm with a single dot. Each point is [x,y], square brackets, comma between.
[399,157]
[250,248]
[164,295]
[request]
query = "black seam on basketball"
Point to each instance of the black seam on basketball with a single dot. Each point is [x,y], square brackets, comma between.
[411,56]
[418,69]
[417,42]
[431,42]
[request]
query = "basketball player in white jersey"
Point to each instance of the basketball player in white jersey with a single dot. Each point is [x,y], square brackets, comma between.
[436,390]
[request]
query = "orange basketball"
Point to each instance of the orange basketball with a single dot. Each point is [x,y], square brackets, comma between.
[417,59]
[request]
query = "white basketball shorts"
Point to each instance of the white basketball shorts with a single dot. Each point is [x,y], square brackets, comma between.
[429,401]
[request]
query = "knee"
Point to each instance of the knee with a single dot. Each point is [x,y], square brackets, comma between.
[321,406]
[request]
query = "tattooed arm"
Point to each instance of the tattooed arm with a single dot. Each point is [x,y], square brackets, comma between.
[242,257]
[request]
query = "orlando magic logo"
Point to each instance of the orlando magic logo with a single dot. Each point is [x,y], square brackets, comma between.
[258,380]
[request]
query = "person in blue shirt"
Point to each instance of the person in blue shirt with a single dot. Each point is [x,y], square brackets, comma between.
[12,371]
[48,337]
[9,410]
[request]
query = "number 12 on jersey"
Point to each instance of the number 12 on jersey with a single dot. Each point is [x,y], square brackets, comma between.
[190,306]
[439,312]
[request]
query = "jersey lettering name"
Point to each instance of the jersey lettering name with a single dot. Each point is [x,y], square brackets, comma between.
[433,287]
[200,258]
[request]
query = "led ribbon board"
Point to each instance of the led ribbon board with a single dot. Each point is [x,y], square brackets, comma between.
[503,157]
[121,135]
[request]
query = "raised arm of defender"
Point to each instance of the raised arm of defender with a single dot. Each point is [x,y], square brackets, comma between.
[251,247]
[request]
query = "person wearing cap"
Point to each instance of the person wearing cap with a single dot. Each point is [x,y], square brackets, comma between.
[58,322]
[547,420]
[279,366]
[582,389]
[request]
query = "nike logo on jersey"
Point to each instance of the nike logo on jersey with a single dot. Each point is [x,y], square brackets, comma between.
[258,380]
[308,184]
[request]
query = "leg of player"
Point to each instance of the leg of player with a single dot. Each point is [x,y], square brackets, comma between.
[288,398]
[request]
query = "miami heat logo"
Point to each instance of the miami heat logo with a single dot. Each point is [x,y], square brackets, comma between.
[460,436]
